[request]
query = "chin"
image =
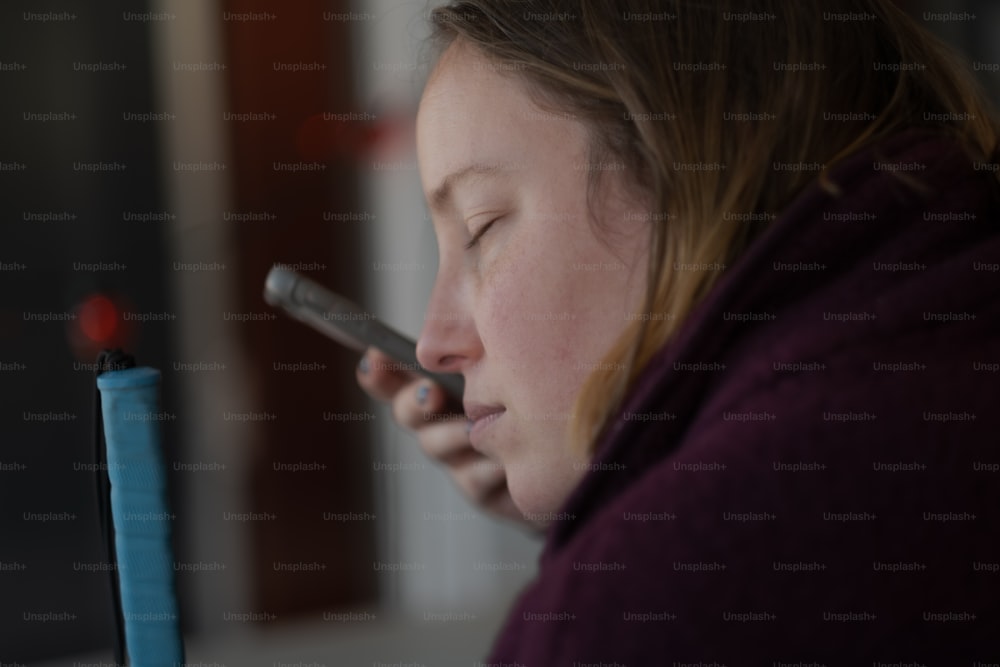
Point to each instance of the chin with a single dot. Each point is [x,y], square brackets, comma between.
[536,496]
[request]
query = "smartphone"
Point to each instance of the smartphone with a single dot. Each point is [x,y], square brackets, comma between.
[347,323]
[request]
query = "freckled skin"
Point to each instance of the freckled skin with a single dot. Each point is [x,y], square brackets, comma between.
[529,312]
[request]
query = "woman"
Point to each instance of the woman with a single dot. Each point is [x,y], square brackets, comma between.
[722,282]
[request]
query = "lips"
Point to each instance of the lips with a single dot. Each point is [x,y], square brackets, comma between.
[481,416]
[477,411]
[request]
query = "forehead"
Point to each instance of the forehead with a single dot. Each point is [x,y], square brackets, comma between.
[469,113]
[475,111]
[466,101]
[463,71]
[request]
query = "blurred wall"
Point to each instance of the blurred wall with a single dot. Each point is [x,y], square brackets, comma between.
[267,542]
[197,133]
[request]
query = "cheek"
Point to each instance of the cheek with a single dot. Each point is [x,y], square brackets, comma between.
[533,304]
[518,307]
[537,329]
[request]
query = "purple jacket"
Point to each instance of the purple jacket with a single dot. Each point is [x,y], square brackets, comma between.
[809,473]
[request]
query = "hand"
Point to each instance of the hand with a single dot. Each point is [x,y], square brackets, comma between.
[438,421]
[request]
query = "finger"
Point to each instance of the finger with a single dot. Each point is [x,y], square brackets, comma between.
[379,375]
[484,482]
[423,402]
[446,440]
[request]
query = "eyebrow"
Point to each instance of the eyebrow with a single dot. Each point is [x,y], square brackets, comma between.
[440,198]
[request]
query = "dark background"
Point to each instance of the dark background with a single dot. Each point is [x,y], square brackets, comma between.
[48,364]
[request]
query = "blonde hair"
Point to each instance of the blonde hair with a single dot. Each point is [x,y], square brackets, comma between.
[663,86]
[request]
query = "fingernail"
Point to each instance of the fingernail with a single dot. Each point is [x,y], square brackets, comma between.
[422,392]
[363,365]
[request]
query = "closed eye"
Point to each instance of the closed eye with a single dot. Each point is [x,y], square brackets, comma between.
[479,234]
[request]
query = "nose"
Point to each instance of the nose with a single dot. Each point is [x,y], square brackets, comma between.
[449,341]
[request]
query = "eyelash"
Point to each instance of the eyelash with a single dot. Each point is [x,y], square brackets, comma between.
[474,241]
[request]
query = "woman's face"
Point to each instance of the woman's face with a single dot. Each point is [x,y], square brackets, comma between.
[529,294]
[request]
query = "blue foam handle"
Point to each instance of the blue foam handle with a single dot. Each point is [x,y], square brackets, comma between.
[141,515]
